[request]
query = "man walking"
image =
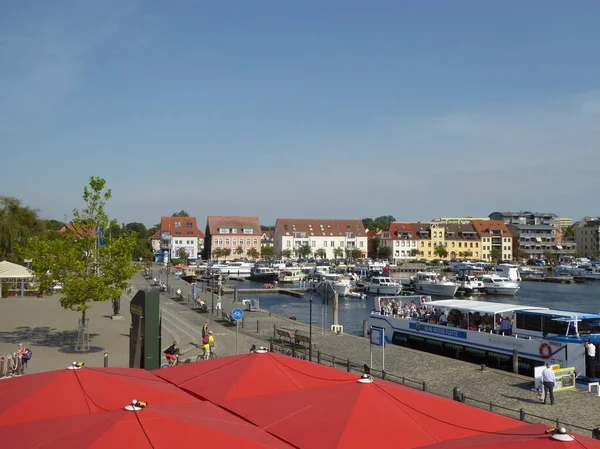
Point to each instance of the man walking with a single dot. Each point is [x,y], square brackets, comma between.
[590,359]
[549,381]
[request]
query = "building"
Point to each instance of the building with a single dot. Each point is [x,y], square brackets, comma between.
[402,239]
[266,240]
[587,237]
[373,240]
[459,220]
[179,236]
[460,241]
[155,242]
[496,240]
[563,222]
[536,232]
[337,238]
[234,235]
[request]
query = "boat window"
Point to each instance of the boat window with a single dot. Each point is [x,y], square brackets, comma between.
[551,326]
[529,322]
[589,326]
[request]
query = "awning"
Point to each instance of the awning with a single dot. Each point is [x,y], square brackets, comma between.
[559,247]
[538,239]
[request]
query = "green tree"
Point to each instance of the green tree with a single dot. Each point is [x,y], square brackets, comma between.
[181,213]
[384,252]
[440,251]
[338,252]
[183,255]
[368,223]
[520,254]
[384,221]
[217,253]
[287,253]
[376,244]
[253,253]
[52,225]
[226,252]
[496,254]
[267,251]
[321,253]
[239,250]
[355,253]
[18,224]
[414,252]
[305,251]
[467,253]
[91,267]
[137,228]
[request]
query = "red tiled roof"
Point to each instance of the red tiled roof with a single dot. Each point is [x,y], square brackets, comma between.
[373,233]
[396,227]
[483,227]
[237,223]
[156,235]
[187,227]
[320,227]
[75,230]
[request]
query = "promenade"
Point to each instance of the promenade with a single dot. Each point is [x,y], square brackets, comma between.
[49,331]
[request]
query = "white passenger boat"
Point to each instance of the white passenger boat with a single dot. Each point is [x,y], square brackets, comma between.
[292,275]
[242,269]
[338,283]
[380,285]
[470,331]
[496,285]
[430,283]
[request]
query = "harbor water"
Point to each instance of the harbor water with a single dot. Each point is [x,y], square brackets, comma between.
[352,311]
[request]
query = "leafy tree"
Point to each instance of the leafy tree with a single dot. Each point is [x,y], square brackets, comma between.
[338,252]
[287,253]
[355,253]
[376,244]
[321,253]
[181,213]
[18,224]
[90,267]
[468,253]
[440,251]
[414,252]
[368,223]
[226,252]
[384,252]
[217,253]
[267,251]
[239,250]
[137,228]
[496,254]
[253,253]
[305,251]
[384,221]
[182,254]
[52,225]
[520,254]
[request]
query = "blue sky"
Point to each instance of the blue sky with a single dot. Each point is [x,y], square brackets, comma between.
[307,109]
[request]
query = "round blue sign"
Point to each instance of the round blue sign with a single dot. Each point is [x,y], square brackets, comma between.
[237,314]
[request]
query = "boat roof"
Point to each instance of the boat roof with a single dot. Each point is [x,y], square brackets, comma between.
[566,315]
[481,307]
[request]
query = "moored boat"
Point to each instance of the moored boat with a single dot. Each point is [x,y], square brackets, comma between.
[430,283]
[380,285]
[497,285]
[264,274]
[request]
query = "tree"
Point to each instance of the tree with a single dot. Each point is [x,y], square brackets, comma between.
[379,223]
[355,253]
[321,253]
[338,252]
[384,252]
[239,250]
[226,252]
[183,255]
[305,251]
[496,254]
[18,224]
[467,253]
[217,252]
[520,254]
[267,251]
[91,266]
[376,243]
[368,223]
[287,253]
[440,251]
[253,253]
[414,252]
[181,213]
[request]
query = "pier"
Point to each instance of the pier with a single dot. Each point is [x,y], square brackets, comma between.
[295,292]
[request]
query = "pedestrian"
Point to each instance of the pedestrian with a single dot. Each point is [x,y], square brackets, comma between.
[549,382]
[219,306]
[590,359]
[205,329]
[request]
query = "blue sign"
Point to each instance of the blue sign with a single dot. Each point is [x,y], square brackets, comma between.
[446,331]
[237,314]
[377,334]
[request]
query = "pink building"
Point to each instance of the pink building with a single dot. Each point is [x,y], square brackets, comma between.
[237,234]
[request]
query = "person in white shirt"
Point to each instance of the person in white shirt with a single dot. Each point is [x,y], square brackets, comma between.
[590,359]
[549,381]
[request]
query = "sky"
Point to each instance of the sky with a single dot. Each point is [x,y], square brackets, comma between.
[312,109]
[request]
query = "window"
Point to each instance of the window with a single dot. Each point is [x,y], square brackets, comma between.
[255,242]
[223,231]
[234,242]
[313,243]
[177,224]
[289,243]
[241,242]
[248,231]
[360,244]
[325,244]
[247,242]
[226,242]
[234,230]
[188,224]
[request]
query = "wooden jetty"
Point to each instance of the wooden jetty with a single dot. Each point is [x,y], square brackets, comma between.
[295,292]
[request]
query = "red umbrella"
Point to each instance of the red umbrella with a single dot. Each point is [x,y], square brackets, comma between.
[182,425]
[72,392]
[532,436]
[250,375]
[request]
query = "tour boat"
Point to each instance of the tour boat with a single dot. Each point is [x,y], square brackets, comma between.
[429,283]
[496,285]
[264,274]
[470,331]
[380,285]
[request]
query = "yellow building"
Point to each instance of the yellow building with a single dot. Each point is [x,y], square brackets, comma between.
[460,241]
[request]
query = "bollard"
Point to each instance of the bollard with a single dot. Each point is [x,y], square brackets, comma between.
[189,298]
[491,406]
[319,357]
[515,361]
[271,344]
[424,386]
[482,367]
[383,374]
[463,397]
[456,394]
[106,360]
[557,423]
[258,326]
[274,329]
[242,322]
[596,433]
[365,328]
[333,361]
[522,414]
[348,365]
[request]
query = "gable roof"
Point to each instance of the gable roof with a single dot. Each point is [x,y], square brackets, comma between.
[405,228]
[483,227]
[320,227]
[75,230]
[237,223]
[187,227]
[460,231]
[156,235]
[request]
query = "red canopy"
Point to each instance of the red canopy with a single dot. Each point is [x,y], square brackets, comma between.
[68,392]
[310,405]
[249,375]
[527,437]
[182,425]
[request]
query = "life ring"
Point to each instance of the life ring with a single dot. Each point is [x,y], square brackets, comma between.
[545,351]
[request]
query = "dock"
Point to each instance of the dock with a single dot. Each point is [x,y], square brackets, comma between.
[551,279]
[295,292]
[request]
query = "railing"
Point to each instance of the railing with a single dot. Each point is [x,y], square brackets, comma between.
[350,366]
[9,366]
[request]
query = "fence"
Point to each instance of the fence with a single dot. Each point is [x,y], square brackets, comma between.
[9,366]
[350,366]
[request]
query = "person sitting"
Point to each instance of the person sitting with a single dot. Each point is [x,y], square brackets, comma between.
[171,353]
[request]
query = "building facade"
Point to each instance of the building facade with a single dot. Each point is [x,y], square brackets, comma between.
[536,232]
[336,238]
[496,240]
[587,237]
[179,237]
[401,238]
[457,220]
[233,235]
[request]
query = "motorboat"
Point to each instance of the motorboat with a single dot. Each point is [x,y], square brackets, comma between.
[292,275]
[509,271]
[369,266]
[498,285]
[471,330]
[338,283]
[381,285]
[264,274]
[469,283]
[586,270]
[430,283]
[242,269]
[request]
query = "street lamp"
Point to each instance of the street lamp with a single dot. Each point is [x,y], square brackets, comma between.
[212,293]
[310,328]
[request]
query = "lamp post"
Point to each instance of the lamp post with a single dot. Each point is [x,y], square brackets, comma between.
[212,294]
[310,328]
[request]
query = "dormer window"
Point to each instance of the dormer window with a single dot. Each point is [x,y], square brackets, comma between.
[234,230]
[224,231]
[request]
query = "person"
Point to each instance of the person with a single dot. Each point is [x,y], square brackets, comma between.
[20,356]
[590,359]
[549,381]
[171,353]
[205,329]
[208,342]
[219,306]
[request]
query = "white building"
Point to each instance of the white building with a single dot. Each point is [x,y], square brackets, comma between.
[401,237]
[337,238]
[178,235]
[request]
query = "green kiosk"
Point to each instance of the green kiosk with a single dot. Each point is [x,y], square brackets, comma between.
[144,335]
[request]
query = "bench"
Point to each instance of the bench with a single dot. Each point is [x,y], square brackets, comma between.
[594,384]
[284,334]
[228,319]
[302,340]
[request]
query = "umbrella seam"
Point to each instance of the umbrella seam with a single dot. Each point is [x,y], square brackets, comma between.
[311,375]
[85,393]
[143,428]
[206,372]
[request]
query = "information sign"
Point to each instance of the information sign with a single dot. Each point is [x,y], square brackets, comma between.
[237,314]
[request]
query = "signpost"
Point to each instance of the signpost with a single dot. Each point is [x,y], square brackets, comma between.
[237,315]
[377,338]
